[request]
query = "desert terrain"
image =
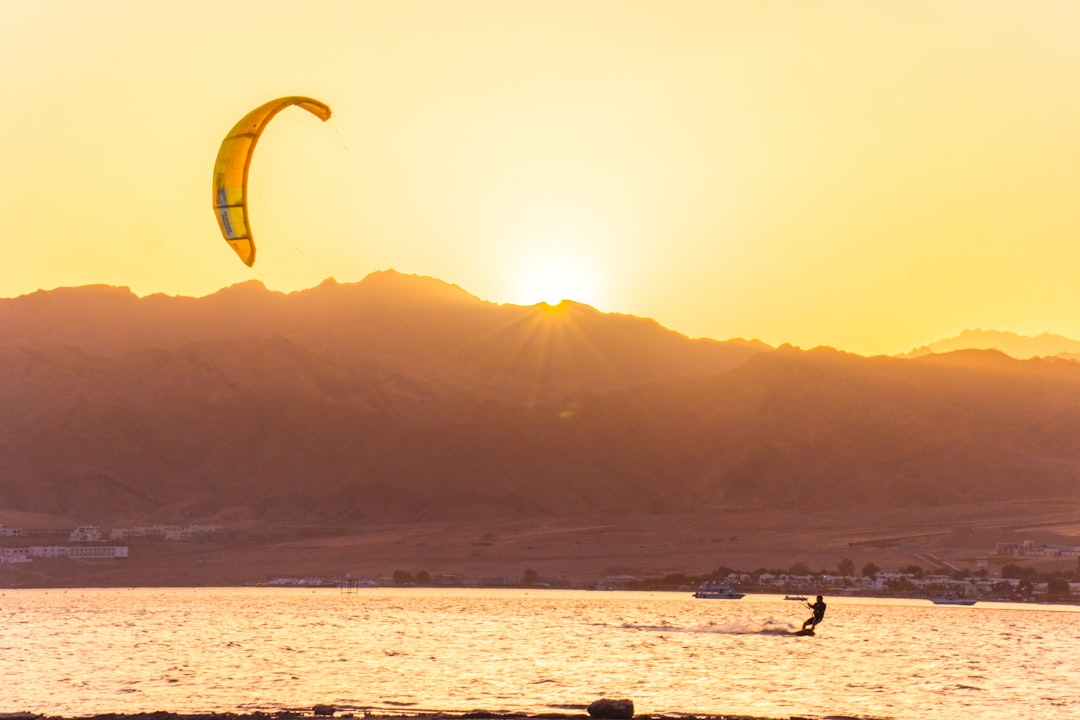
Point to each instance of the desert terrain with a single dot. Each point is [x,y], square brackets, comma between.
[401,424]
[580,550]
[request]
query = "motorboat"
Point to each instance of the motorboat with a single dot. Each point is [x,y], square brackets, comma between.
[718,591]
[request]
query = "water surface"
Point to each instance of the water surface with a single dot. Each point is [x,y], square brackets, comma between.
[85,652]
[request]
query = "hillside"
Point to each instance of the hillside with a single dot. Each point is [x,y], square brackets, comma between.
[405,399]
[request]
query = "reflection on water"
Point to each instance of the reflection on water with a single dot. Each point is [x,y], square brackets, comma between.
[83,652]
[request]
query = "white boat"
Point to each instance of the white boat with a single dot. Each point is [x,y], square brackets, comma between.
[718,591]
[799,598]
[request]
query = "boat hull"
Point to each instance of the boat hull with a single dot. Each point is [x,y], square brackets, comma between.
[717,591]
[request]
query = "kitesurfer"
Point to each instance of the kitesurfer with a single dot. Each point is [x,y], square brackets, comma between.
[819,614]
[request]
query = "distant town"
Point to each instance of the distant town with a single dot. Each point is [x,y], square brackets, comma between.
[88,541]
[1010,581]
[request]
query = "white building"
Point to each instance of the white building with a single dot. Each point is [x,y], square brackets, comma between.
[14,555]
[77,551]
[86,533]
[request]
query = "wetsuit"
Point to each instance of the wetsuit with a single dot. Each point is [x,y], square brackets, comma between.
[819,614]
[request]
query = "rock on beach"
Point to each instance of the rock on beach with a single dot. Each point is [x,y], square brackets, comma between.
[606,709]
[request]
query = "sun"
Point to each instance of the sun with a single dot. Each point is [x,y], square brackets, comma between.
[552,280]
[553,283]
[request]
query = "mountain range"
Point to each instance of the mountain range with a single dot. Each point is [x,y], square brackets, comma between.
[1012,344]
[403,398]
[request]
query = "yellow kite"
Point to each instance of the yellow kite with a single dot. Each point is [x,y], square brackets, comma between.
[231,170]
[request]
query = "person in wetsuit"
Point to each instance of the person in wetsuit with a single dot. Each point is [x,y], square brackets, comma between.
[819,614]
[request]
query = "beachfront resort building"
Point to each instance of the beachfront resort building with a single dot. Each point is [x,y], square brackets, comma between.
[79,552]
[1029,548]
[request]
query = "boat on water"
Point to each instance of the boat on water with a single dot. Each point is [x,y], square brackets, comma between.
[798,598]
[718,591]
[952,601]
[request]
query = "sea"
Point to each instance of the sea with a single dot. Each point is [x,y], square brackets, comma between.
[81,652]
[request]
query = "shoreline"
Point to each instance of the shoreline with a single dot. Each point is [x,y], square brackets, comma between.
[431,715]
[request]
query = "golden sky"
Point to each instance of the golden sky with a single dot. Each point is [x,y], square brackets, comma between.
[868,175]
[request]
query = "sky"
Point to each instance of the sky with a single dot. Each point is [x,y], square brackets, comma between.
[866,175]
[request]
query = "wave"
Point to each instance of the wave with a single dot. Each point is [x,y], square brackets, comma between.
[736,626]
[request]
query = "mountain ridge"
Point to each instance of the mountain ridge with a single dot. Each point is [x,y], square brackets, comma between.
[407,399]
[1018,346]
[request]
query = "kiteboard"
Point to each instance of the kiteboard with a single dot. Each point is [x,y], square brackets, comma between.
[804,631]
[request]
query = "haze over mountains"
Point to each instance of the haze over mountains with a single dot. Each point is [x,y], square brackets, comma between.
[1017,346]
[405,398]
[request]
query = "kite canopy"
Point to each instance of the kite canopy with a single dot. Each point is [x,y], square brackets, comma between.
[231,170]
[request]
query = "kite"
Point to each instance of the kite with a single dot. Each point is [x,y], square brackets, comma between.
[231,170]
